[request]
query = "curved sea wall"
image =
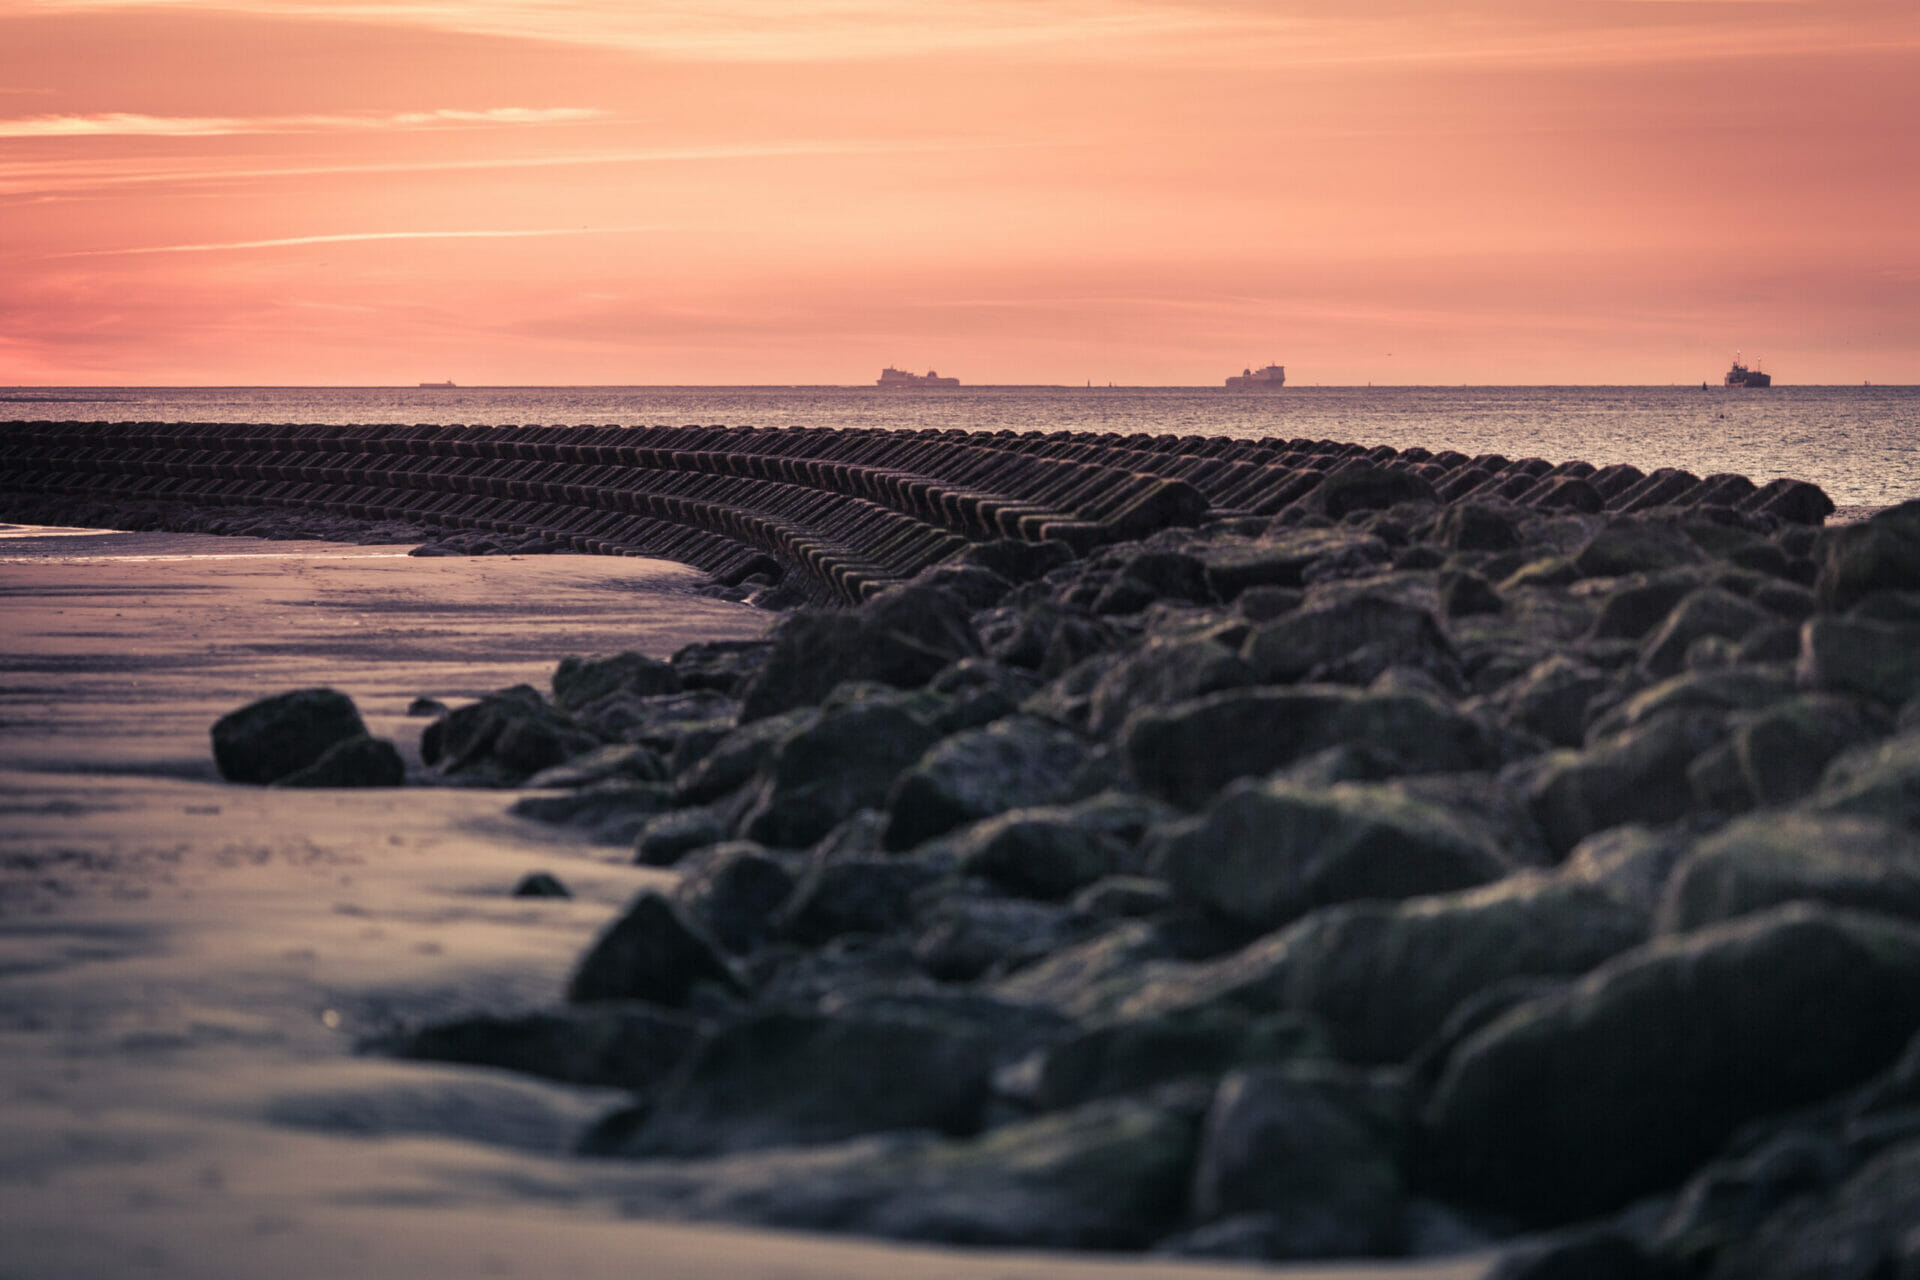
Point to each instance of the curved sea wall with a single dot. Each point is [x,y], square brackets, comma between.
[835,514]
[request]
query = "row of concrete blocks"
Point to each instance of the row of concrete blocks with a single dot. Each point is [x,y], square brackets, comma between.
[850,509]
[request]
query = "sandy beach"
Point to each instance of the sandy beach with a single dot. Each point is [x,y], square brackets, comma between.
[186,966]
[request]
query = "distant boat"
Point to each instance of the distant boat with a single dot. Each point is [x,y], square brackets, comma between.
[1741,376]
[447,383]
[892,377]
[1274,375]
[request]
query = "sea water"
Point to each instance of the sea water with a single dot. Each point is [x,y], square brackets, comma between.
[1860,444]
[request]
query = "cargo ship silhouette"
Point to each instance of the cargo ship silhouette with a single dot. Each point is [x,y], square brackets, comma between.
[892,377]
[1274,375]
[1741,376]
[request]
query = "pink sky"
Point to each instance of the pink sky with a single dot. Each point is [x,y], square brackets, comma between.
[752,191]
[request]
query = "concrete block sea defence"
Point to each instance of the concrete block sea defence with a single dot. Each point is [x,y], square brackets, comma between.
[269,739]
[1575,1103]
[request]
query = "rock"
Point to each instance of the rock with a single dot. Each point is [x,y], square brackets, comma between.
[982,691]
[1639,775]
[1464,593]
[540,884]
[351,762]
[1186,752]
[1468,526]
[1630,862]
[1266,853]
[649,953]
[280,735]
[1150,576]
[1282,560]
[1328,633]
[732,891]
[579,681]
[621,760]
[1626,545]
[612,812]
[780,1079]
[680,727]
[1862,1231]
[1878,553]
[503,738]
[1012,763]
[1875,660]
[1298,1145]
[1881,780]
[1710,611]
[1618,1086]
[1383,977]
[426,707]
[1131,1055]
[962,938]
[1632,609]
[733,761]
[1728,1199]
[1365,488]
[666,838]
[1721,690]
[901,637]
[1123,897]
[1768,859]
[1111,1175]
[1015,560]
[723,666]
[1043,852]
[1089,979]
[622,1046]
[1162,672]
[846,760]
[853,895]
[1551,701]
[1782,750]
[975,587]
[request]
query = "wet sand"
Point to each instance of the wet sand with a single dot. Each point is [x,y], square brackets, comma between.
[186,966]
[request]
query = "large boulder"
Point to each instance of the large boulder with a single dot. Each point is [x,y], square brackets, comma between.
[1299,1144]
[1877,554]
[1626,545]
[1879,780]
[1162,672]
[1639,775]
[787,1078]
[351,762]
[1110,1175]
[652,953]
[276,736]
[1768,859]
[1578,1101]
[1186,752]
[1127,1055]
[1282,560]
[579,681]
[618,1045]
[1366,633]
[1783,750]
[1265,853]
[1010,764]
[733,890]
[1710,611]
[503,739]
[845,761]
[1877,660]
[902,637]
[1863,1230]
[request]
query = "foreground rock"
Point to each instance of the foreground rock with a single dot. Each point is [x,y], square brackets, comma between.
[267,740]
[1645,1067]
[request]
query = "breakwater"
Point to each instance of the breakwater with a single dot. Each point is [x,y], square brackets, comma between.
[836,515]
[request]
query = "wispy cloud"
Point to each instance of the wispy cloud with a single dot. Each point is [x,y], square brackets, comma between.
[352,236]
[128,124]
[34,177]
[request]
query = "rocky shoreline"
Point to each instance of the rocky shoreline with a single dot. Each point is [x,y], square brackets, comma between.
[1385,876]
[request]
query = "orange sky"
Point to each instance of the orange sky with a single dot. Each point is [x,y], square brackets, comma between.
[1161,191]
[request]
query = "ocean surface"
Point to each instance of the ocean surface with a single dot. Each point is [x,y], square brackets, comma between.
[1860,444]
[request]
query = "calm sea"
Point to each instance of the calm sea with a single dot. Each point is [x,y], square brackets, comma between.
[1861,444]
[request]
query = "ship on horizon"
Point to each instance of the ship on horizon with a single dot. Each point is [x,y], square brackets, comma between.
[892,377]
[441,385]
[1741,376]
[1274,375]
